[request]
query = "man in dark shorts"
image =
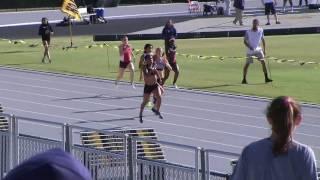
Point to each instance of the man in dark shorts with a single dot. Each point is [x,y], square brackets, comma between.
[269,7]
[45,31]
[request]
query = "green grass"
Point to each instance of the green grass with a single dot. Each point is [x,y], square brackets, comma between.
[301,82]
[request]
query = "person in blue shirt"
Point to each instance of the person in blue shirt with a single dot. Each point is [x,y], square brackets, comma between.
[168,32]
[278,157]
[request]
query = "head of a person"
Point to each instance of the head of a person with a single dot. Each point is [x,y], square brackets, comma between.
[148,48]
[54,164]
[169,23]
[284,115]
[125,40]
[255,24]
[148,60]
[44,20]
[159,52]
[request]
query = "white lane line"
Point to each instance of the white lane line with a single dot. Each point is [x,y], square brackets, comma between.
[120,90]
[171,97]
[78,119]
[27,23]
[132,100]
[117,106]
[203,119]
[121,116]
[177,106]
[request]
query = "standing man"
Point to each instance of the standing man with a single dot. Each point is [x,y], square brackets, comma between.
[45,31]
[269,7]
[168,32]
[252,41]
[239,7]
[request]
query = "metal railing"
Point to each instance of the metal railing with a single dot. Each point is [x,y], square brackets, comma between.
[19,144]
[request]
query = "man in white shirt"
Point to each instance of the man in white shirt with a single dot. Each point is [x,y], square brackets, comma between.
[269,7]
[252,41]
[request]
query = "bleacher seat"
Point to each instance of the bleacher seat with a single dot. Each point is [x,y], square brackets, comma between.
[4,125]
[114,143]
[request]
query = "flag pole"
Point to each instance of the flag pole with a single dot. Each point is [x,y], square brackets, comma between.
[70,31]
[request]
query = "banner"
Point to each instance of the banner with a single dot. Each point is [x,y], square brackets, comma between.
[69,7]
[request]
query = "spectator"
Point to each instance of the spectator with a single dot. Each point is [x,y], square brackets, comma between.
[239,7]
[45,31]
[54,164]
[285,3]
[168,32]
[278,157]
[269,7]
[305,1]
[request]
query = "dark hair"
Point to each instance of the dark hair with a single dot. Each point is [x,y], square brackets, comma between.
[282,113]
[123,37]
[146,46]
[45,19]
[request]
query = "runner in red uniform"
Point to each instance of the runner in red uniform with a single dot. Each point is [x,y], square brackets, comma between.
[126,57]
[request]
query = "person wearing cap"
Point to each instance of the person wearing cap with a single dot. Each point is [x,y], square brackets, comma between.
[54,164]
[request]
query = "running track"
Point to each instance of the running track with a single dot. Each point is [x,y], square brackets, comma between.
[209,120]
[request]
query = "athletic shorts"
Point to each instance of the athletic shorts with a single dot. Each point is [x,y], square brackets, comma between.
[46,39]
[148,89]
[269,8]
[124,64]
[258,54]
[174,66]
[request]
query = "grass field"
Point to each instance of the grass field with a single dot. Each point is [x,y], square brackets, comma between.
[301,82]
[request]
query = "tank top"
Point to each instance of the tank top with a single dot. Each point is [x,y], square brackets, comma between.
[127,51]
[160,64]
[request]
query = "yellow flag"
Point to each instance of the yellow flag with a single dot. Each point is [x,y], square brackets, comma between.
[70,7]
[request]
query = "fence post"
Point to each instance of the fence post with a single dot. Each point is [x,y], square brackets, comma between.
[130,158]
[207,165]
[67,134]
[14,133]
[197,162]
[203,164]
[125,151]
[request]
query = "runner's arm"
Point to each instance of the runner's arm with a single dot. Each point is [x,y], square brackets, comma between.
[246,41]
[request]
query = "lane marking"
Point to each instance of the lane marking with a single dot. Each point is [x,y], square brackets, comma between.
[210,120]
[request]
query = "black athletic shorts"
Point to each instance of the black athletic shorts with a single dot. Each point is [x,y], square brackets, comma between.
[148,89]
[123,64]
[269,8]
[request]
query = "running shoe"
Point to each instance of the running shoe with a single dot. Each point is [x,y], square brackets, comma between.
[176,86]
[133,86]
[140,119]
[278,22]
[267,24]
[244,81]
[156,112]
[268,80]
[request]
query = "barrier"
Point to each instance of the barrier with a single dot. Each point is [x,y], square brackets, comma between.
[19,144]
